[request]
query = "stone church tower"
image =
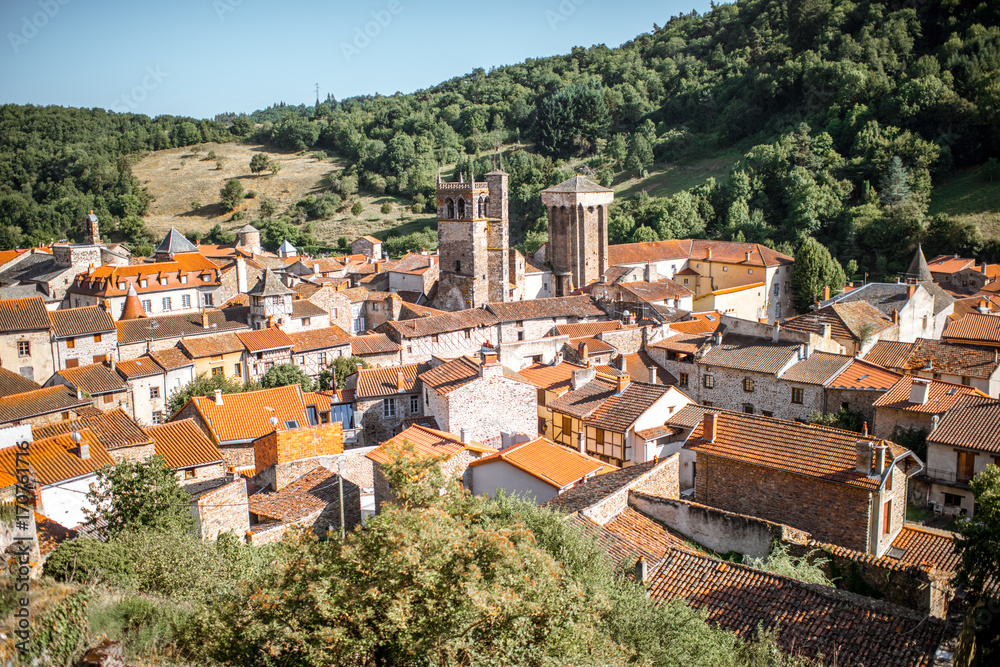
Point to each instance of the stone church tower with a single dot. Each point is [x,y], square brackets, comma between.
[578,232]
[473,242]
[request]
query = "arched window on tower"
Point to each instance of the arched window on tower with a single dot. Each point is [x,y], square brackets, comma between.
[450,205]
[484,211]
[461,209]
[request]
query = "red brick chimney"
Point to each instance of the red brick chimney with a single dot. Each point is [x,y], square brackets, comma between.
[400,382]
[204,318]
[708,426]
[708,253]
[826,292]
[621,383]
[583,351]
[910,291]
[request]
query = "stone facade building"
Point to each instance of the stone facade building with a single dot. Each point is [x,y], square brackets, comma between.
[265,348]
[99,382]
[448,335]
[384,399]
[26,332]
[83,336]
[315,350]
[914,403]
[222,509]
[578,232]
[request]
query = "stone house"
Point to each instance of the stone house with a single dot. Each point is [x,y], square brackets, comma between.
[26,332]
[384,398]
[378,350]
[963,443]
[196,460]
[536,469]
[919,309]
[369,246]
[981,326]
[265,348]
[221,354]
[44,406]
[117,432]
[146,382]
[414,273]
[481,399]
[949,272]
[283,456]
[914,403]
[528,320]
[339,303]
[449,335]
[312,501]
[83,336]
[138,336]
[857,325]
[426,442]
[552,381]
[222,509]
[665,292]
[315,350]
[856,388]
[178,368]
[842,488]
[972,365]
[97,381]
[381,307]
[305,316]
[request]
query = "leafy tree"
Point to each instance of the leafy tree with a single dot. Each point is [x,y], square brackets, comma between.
[845,419]
[640,155]
[282,375]
[348,186]
[241,126]
[231,194]
[914,439]
[134,495]
[268,207]
[205,385]
[357,209]
[644,235]
[386,208]
[978,542]
[344,366]
[259,162]
[807,567]
[814,269]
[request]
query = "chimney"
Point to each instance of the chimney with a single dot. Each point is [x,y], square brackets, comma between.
[204,318]
[747,256]
[79,394]
[218,397]
[879,458]
[358,368]
[641,570]
[864,430]
[910,290]
[824,330]
[582,376]
[107,307]
[652,375]
[919,390]
[621,362]
[895,316]
[464,436]
[863,457]
[826,292]
[581,442]
[983,269]
[400,383]
[708,253]
[776,332]
[583,351]
[708,426]
[621,384]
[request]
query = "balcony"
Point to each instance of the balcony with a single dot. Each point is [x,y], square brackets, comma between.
[948,476]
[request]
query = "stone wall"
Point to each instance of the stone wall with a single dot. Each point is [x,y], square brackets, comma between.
[223,510]
[889,420]
[376,428]
[832,512]
[627,341]
[238,456]
[660,480]
[39,360]
[85,350]
[517,355]
[488,406]
[133,454]
[202,474]
[449,344]
[356,466]
[770,394]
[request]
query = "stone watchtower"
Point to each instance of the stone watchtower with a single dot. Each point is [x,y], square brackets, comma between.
[248,240]
[578,232]
[270,301]
[473,242]
[91,229]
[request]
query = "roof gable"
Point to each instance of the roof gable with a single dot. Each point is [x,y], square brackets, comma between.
[543,459]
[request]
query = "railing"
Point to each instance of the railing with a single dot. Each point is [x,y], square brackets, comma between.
[951,476]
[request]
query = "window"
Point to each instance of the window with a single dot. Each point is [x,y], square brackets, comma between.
[147,305]
[966,464]
[189,473]
[748,384]
[237,370]
[70,343]
[209,299]
[143,283]
[886,517]
[414,403]
[154,392]
[685,281]
[797,395]
[306,321]
[767,413]
[748,408]
[291,423]
[72,363]
[725,269]
[166,304]
[683,380]
[707,404]
[98,359]
[23,348]
[185,301]
[777,288]
[750,271]
[965,379]
[109,398]
[925,322]
[322,358]
[952,500]
[163,281]
[458,267]
[98,338]
[540,397]
[184,280]
[389,407]
[158,417]
[709,381]
[217,371]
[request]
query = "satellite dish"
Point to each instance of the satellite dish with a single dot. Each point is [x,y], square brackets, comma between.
[274,422]
[76,437]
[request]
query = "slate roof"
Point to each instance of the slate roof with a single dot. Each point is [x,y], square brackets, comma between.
[95,379]
[457,373]
[320,339]
[918,266]
[175,243]
[577,184]
[15,383]
[864,376]
[200,347]
[847,320]
[113,429]
[57,458]
[304,497]
[817,369]
[58,398]
[23,315]
[372,382]
[553,307]
[159,327]
[262,340]
[888,297]
[269,285]
[973,422]
[439,324]
[378,343]
[808,619]
[974,327]
[247,416]
[183,444]
[87,320]
[599,487]
[750,353]
[547,461]
[820,452]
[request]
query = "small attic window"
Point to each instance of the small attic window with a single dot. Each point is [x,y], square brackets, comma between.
[163,281]
[184,280]
[291,423]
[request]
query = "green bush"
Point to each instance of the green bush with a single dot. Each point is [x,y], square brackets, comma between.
[85,560]
[357,209]
[386,208]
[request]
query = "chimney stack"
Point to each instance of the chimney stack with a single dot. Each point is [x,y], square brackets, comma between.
[583,351]
[863,457]
[824,330]
[776,332]
[582,376]
[880,458]
[400,383]
[919,390]
[358,368]
[621,384]
[652,375]
[464,436]
[708,253]
[218,397]
[581,442]
[826,292]
[747,256]
[204,318]
[641,570]
[709,426]
[84,450]
[910,290]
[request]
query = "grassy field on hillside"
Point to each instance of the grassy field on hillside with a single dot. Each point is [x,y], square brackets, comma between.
[970,195]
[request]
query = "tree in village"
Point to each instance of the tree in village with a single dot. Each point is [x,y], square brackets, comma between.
[282,375]
[814,269]
[339,370]
[979,537]
[136,495]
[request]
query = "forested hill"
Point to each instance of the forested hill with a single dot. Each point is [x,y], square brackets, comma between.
[845,112]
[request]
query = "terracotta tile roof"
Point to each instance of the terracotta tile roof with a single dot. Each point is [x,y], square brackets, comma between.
[370,239]
[183,444]
[355,294]
[427,442]
[457,373]
[941,397]
[559,306]
[15,383]
[582,402]
[640,253]
[600,487]
[51,534]
[109,281]
[320,339]
[27,314]
[594,345]
[95,379]
[697,250]
[657,432]
[171,358]
[413,311]
[140,367]
[113,429]
[543,459]
[415,263]
[619,412]
[950,264]
[631,534]
[865,376]
[750,353]
[689,416]
[373,344]
[982,304]
[557,378]
[439,324]
[695,326]
[371,382]
[974,327]
[587,328]
[820,452]
[58,398]
[638,365]
[954,358]
[247,416]
[159,327]
[81,321]
[200,347]
[261,340]
[57,459]
[302,308]
[889,354]
[683,342]
[847,320]
[808,619]
[658,291]
[928,546]
[973,422]
[304,497]
[817,369]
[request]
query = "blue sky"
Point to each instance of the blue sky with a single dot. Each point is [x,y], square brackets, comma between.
[203,57]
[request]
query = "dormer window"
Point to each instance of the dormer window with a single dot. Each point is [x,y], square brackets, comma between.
[122,286]
[184,280]
[163,281]
[144,283]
